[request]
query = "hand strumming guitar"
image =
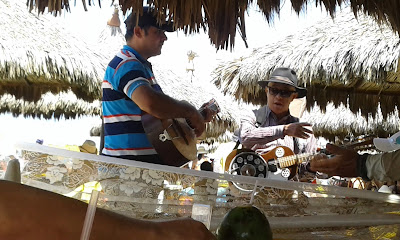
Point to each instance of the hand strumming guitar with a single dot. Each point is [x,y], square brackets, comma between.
[297,130]
[343,164]
[207,111]
[196,121]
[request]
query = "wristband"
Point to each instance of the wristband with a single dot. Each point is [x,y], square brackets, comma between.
[362,167]
[308,167]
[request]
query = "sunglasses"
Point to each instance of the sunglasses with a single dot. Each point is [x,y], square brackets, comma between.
[282,93]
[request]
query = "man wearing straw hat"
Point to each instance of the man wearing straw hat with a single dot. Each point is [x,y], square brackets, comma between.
[130,90]
[272,125]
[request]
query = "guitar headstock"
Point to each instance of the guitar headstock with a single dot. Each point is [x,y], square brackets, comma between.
[213,106]
[361,143]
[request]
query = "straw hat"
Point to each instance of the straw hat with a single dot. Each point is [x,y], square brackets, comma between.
[286,76]
[88,147]
[201,150]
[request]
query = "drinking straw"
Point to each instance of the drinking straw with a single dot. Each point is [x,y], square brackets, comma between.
[253,193]
[91,210]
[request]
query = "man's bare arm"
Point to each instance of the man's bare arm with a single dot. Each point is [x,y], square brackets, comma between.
[30,213]
[165,107]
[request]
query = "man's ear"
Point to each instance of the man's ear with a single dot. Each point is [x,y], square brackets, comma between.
[138,31]
[294,95]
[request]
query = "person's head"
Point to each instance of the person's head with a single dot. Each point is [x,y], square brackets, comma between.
[206,166]
[145,34]
[281,88]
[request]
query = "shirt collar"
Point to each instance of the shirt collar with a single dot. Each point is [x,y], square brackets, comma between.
[140,58]
[271,114]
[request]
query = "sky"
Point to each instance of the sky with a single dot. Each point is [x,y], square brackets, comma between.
[89,25]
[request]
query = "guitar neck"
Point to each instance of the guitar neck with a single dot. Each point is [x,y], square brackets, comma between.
[293,159]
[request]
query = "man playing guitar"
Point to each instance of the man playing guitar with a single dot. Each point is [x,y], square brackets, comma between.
[272,125]
[130,91]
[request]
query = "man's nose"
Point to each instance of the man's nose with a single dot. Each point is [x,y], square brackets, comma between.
[279,95]
[164,37]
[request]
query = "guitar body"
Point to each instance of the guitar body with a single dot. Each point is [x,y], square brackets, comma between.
[176,151]
[274,168]
[173,139]
[245,162]
[233,154]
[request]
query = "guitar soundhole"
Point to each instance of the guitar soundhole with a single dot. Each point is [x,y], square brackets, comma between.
[248,170]
[248,164]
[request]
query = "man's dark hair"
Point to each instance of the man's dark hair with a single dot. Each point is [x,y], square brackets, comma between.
[206,166]
[145,21]
[129,33]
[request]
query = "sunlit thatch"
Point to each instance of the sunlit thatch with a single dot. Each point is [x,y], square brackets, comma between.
[339,61]
[38,56]
[338,123]
[223,17]
[49,106]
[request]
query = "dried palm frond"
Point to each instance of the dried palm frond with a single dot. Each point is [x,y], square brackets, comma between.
[336,123]
[338,61]
[33,62]
[221,18]
[50,106]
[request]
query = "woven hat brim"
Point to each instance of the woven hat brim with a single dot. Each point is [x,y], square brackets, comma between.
[302,92]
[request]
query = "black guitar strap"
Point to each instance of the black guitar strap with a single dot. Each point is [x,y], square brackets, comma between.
[261,117]
[296,145]
[236,145]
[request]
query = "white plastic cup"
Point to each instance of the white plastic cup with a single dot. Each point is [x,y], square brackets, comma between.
[202,213]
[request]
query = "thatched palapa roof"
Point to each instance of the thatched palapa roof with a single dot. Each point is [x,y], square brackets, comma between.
[50,106]
[338,123]
[342,61]
[37,56]
[221,18]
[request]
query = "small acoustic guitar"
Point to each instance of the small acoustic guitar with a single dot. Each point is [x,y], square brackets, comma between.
[174,139]
[279,163]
